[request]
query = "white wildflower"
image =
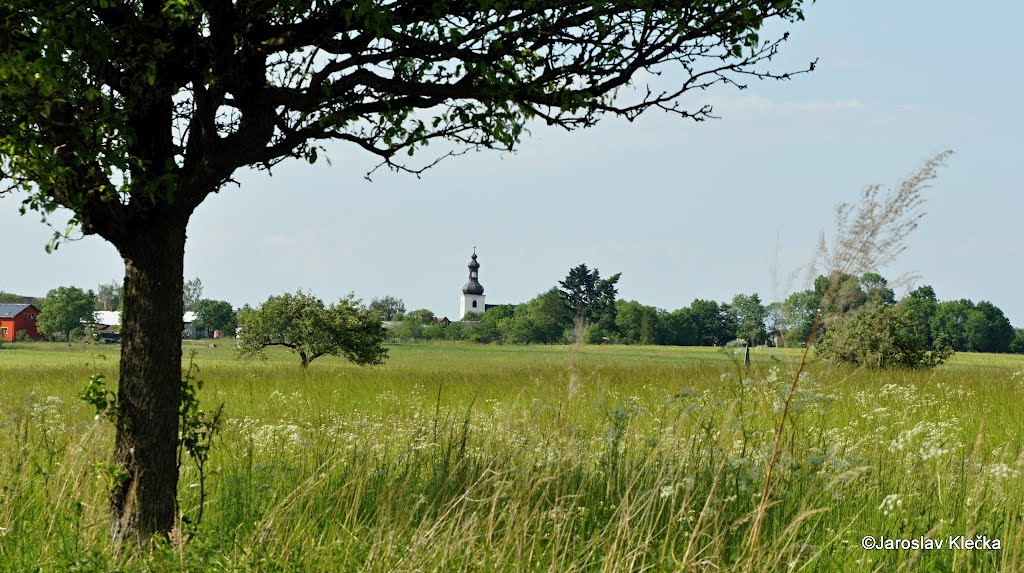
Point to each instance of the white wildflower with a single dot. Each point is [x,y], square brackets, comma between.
[891,503]
[1002,472]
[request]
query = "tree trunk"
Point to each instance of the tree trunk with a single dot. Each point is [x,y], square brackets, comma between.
[144,499]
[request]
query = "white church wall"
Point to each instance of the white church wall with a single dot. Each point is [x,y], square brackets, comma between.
[466,304]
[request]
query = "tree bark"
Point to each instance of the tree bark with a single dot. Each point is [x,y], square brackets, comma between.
[144,496]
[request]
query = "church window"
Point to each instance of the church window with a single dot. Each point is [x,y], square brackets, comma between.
[474,304]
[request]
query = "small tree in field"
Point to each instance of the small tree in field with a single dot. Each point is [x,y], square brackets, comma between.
[129,113]
[301,323]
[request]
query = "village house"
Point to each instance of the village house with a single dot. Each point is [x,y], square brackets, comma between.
[15,318]
[110,320]
[188,327]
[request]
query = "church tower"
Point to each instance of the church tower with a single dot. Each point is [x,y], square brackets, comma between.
[473,292]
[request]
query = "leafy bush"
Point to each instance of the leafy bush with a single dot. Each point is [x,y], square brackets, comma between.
[879,336]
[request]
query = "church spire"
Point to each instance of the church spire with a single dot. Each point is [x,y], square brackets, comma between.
[473,293]
[473,286]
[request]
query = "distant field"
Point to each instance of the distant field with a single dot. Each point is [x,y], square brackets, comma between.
[454,457]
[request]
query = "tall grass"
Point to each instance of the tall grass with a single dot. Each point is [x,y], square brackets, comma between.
[459,457]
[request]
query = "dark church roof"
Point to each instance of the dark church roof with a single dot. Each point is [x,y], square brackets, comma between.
[12,310]
[473,286]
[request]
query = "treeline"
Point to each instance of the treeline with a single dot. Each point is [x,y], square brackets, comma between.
[68,312]
[585,307]
[958,325]
[859,319]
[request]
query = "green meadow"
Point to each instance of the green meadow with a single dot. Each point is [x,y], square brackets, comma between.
[462,457]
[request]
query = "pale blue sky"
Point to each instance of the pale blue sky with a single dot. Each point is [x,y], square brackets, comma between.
[683,210]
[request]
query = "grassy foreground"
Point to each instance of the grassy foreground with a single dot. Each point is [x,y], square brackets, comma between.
[455,457]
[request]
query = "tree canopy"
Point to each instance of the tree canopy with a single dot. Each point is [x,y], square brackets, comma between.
[421,315]
[303,324]
[110,107]
[215,315]
[590,298]
[713,322]
[544,319]
[749,316]
[66,310]
[388,307]
[108,296]
[10,297]
[191,294]
[637,323]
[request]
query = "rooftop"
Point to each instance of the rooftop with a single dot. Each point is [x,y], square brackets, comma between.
[9,310]
[112,317]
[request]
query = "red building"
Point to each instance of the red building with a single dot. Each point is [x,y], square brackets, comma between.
[17,317]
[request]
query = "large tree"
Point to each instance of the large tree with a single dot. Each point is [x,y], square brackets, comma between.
[637,323]
[412,324]
[679,328]
[1017,344]
[920,306]
[66,309]
[420,315]
[749,315]
[799,311]
[712,322]
[988,329]
[108,296]
[388,307]
[129,113]
[191,294]
[876,288]
[215,315]
[544,319]
[590,298]
[948,324]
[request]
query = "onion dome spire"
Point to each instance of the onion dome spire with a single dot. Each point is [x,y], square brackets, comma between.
[473,286]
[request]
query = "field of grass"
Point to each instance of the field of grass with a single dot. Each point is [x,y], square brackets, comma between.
[458,457]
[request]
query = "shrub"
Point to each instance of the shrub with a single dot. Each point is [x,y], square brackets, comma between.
[878,336]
